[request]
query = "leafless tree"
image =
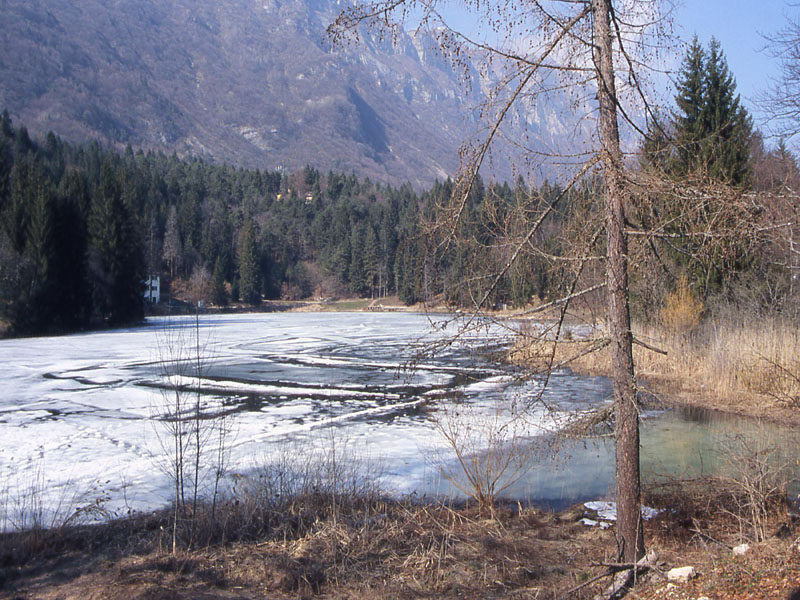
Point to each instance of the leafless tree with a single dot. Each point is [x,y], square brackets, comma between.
[781,102]
[194,440]
[172,249]
[598,51]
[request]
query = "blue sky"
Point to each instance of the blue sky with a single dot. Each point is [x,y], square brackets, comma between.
[739,26]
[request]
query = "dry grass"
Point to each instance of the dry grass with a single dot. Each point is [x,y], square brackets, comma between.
[733,362]
[700,528]
[391,549]
[728,358]
[401,550]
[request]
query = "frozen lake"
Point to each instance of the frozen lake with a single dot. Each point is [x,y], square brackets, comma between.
[82,415]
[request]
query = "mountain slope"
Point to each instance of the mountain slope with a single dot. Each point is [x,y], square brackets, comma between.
[253,83]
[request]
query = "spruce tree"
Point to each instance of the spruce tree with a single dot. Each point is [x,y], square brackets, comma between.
[116,264]
[370,262]
[690,100]
[712,129]
[712,136]
[728,127]
[249,281]
[71,243]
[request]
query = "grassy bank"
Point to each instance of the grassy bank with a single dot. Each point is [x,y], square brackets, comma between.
[744,365]
[321,546]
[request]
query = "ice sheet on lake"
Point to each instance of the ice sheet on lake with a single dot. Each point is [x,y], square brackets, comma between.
[81,410]
[79,407]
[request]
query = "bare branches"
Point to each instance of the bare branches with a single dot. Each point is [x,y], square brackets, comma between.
[563,300]
[475,161]
[782,101]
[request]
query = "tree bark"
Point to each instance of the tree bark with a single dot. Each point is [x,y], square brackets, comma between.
[630,537]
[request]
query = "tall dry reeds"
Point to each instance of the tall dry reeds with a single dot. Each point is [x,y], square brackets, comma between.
[728,354]
[727,357]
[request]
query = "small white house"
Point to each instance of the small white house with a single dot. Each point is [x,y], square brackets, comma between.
[152,289]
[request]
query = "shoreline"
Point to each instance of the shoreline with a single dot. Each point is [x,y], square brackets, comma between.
[669,390]
[751,406]
[345,547]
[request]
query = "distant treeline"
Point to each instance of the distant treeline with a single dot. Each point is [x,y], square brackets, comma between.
[84,225]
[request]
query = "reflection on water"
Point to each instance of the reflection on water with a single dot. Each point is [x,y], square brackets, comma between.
[676,444]
[691,442]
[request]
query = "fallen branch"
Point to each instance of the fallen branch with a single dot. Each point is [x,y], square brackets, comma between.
[568,593]
[625,577]
[644,344]
[648,561]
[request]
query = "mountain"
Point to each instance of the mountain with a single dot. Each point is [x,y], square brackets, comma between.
[254,83]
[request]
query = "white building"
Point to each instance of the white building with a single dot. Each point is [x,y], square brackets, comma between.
[152,289]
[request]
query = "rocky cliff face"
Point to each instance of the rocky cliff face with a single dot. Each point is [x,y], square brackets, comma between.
[251,82]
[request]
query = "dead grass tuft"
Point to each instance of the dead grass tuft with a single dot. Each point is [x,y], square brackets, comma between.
[391,549]
[735,363]
[682,311]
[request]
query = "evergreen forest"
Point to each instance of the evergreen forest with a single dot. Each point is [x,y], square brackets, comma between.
[84,226]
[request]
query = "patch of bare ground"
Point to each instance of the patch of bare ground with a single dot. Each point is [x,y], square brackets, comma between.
[392,549]
[701,527]
[400,551]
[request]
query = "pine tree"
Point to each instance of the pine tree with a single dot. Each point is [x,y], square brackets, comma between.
[249,281]
[116,264]
[355,271]
[16,215]
[219,294]
[40,234]
[728,127]
[712,129]
[712,136]
[70,257]
[690,100]
[370,262]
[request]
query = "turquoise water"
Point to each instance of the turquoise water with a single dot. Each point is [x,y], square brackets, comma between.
[675,444]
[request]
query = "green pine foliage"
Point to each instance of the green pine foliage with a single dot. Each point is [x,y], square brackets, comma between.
[249,276]
[116,263]
[725,150]
[705,143]
[711,129]
[81,227]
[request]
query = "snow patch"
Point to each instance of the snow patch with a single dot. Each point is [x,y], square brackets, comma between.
[607,511]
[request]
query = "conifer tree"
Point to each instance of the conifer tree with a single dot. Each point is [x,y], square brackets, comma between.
[40,234]
[727,125]
[249,281]
[370,262]
[219,294]
[71,245]
[690,100]
[116,264]
[711,140]
[712,129]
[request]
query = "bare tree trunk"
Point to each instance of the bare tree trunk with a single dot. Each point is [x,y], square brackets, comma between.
[629,526]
